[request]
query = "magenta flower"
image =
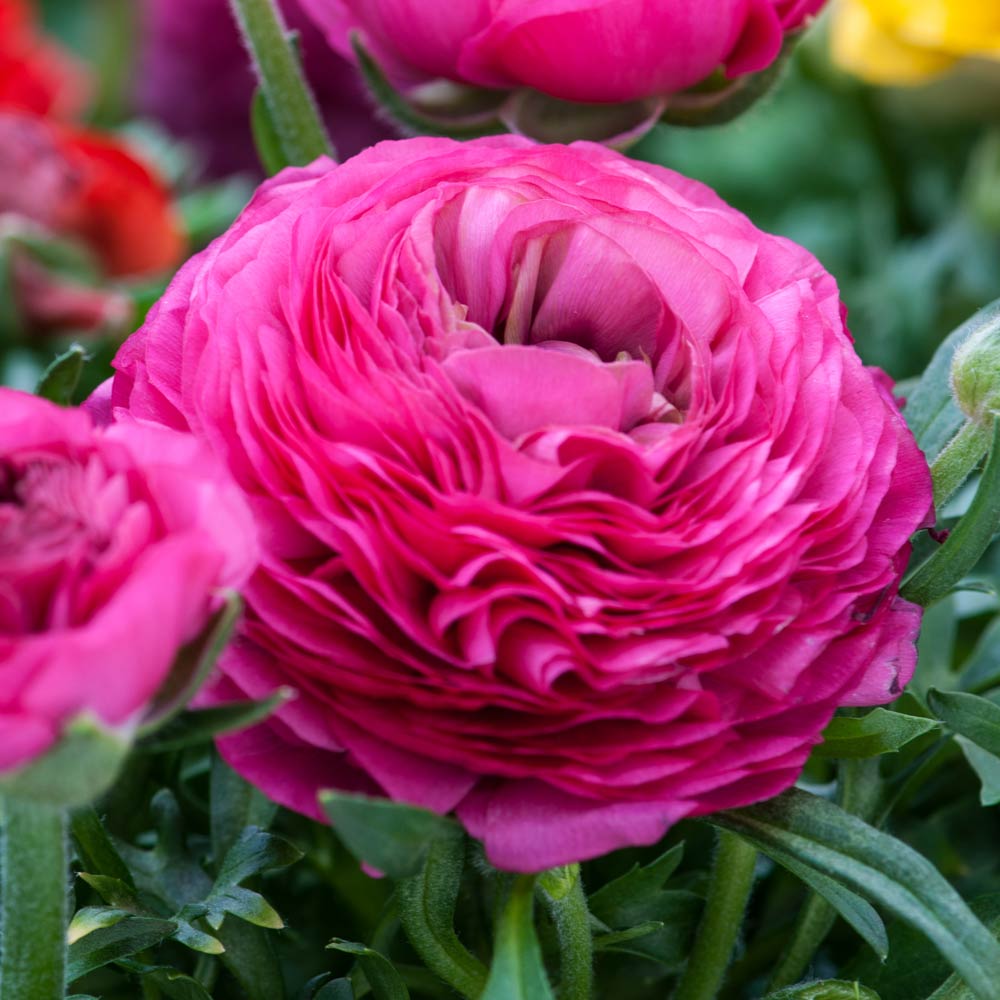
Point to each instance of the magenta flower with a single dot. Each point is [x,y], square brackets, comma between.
[577,50]
[580,514]
[194,76]
[115,546]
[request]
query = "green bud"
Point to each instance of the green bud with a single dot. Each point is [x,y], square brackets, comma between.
[975,373]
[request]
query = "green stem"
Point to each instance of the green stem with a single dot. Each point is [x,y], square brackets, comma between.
[427,903]
[287,96]
[728,895]
[962,454]
[811,928]
[563,895]
[33,912]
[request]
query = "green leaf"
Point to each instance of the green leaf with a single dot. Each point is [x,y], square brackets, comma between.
[987,768]
[632,898]
[193,665]
[517,972]
[127,937]
[235,805]
[81,766]
[880,731]
[824,838]
[427,911]
[828,989]
[385,981]
[975,718]
[59,381]
[202,725]
[969,539]
[265,136]
[390,836]
[930,409]
[95,848]
[92,918]
[608,942]
[176,985]
[254,852]
[337,989]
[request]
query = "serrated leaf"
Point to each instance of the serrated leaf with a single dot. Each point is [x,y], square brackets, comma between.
[828,989]
[92,918]
[822,837]
[518,972]
[880,731]
[390,836]
[628,899]
[126,937]
[975,718]
[59,381]
[385,981]
[935,577]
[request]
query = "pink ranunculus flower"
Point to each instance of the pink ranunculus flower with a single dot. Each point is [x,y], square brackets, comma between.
[115,546]
[580,514]
[576,50]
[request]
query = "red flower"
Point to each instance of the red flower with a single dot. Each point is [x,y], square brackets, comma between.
[35,74]
[120,208]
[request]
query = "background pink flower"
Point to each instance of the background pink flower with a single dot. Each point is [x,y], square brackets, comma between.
[578,50]
[579,512]
[114,546]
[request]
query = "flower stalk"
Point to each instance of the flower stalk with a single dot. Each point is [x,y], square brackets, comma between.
[33,912]
[562,893]
[286,94]
[728,895]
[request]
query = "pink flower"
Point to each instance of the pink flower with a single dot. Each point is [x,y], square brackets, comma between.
[577,50]
[114,546]
[579,512]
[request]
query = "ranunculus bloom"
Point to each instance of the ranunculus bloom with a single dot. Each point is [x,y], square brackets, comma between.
[580,514]
[114,546]
[910,41]
[36,75]
[192,48]
[577,50]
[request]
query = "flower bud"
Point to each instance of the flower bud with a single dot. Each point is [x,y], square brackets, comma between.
[975,371]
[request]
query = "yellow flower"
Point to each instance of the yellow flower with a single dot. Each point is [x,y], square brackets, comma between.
[909,41]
